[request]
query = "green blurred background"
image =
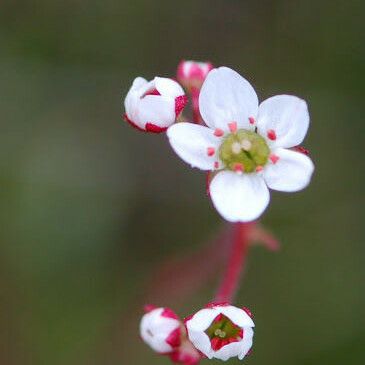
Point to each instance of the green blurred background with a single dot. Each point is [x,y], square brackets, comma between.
[90,207]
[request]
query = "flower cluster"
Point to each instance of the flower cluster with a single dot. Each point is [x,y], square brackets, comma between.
[218,331]
[247,148]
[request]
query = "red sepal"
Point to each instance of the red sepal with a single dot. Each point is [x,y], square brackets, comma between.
[174,338]
[180,102]
[125,117]
[301,149]
[153,128]
[169,313]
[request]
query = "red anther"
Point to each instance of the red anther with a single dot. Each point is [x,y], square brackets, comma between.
[216,164]
[149,307]
[174,338]
[210,151]
[259,168]
[169,313]
[271,134]
[251,120]
[153,128]
[238,167]
[218,132]
[247,311]
[232,127]
[274,158]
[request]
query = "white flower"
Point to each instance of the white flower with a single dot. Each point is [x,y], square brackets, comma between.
[221,331]
[160,329]
[153,106]
[246,145]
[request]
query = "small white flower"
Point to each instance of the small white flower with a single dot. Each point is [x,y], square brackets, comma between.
[160,329]
[221,331]
[153,106]
[246,145]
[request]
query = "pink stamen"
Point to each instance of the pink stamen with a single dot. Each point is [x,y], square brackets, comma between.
[210,151]
[251,120]
[218,132]
[238,167]
[259,168]
[274,158]
[271,134]
[216,164]
[232,127]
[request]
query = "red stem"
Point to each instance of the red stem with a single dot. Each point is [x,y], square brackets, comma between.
[235,263]
[195,105]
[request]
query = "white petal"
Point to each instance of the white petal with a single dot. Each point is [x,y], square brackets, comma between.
[202,319]
[287,116]
[246,342]
[201,341]
[139,82]
[237,315]
[156,109]
[227,97]
[191,141]
[231,350]
[168,87]
[132,99]
[292,171]
[239,198]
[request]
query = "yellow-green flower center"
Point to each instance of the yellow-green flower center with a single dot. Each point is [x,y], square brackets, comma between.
[244,151]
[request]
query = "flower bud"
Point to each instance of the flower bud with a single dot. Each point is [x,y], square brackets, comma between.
[191,74]
[153,106]
[160,328]
[221,331]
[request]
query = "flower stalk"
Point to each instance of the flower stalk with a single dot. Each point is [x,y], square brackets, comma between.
[236,262]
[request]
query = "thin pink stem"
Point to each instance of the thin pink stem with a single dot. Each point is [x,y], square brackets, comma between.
[236,262]
[195,105]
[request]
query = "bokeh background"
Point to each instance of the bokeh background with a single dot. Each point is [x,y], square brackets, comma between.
[90,208]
